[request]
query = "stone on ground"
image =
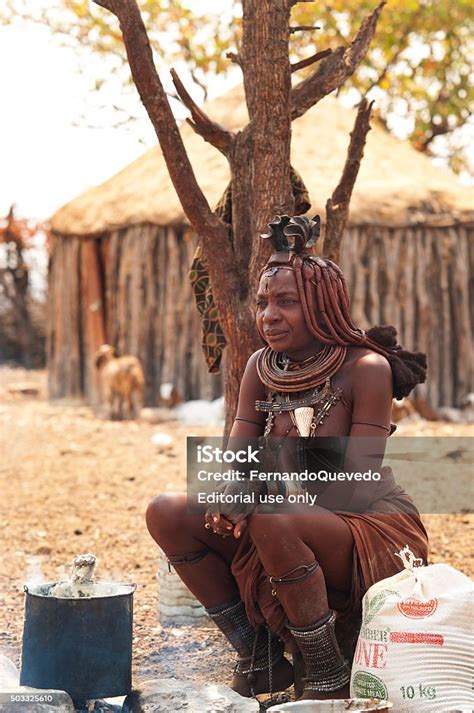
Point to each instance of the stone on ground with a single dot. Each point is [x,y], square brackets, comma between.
[9,674]
[107,705]
[24,388]
[170,694]
[156,415]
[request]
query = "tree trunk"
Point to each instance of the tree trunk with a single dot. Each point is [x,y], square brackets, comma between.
[259,155]
[242,342]
[260,169]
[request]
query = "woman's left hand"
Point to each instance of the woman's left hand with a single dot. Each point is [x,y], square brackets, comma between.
[243,497]
[219,524]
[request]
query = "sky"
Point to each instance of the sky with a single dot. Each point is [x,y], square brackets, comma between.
[47,158]
[48,153]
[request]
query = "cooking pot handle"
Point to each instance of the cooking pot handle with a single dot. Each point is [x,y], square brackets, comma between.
[25,589]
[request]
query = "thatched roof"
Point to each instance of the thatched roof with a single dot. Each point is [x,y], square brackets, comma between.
[396,185]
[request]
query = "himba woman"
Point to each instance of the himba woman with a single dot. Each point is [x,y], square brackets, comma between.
[294,579]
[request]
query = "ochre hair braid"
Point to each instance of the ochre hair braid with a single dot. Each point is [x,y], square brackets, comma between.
[321,285]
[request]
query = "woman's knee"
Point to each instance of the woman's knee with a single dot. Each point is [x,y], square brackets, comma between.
[266,529]
[164,514]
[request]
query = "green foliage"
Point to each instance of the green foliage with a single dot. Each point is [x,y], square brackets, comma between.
[417,69]
[176,32]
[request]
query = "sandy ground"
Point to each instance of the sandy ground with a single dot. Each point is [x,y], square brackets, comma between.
[72,482]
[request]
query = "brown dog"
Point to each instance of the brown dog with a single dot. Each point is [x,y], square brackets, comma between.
[122,381]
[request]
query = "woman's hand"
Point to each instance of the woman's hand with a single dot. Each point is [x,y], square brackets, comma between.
[239,499]
[220,525]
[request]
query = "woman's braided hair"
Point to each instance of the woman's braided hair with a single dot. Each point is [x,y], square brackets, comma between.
[325,300]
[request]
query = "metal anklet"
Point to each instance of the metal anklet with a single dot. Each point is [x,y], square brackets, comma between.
[326,668]
[286,579]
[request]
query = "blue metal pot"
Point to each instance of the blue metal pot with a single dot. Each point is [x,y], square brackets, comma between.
[79,645]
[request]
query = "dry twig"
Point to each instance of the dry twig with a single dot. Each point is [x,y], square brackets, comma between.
[334,69]
[303,28]
[337,207]
[234,57]
[310,60]
[210,131]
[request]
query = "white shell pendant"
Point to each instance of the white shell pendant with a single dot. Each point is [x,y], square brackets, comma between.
[303,419]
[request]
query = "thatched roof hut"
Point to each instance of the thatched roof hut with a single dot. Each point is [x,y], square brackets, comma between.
[122,250]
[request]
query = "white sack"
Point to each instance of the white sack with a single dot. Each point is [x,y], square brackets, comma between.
[416,642]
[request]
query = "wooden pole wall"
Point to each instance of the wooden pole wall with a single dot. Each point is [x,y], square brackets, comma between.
[130,288]
[150,308]
[64,338]
[420,280]
[93,322]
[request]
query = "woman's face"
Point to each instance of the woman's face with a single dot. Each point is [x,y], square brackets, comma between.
[279,316]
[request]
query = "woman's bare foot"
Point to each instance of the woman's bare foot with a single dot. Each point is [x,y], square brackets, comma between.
[282,678]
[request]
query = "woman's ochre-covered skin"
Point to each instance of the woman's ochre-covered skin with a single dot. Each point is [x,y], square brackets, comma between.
[295,567]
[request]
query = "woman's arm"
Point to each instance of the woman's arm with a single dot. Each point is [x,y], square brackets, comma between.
[372,405]
[372,389]
[248,424]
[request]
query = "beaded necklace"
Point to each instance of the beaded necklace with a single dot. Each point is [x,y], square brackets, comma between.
[309,380]
[278,373]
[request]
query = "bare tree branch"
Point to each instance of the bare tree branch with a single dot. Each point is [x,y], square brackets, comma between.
[402,45]
[234,57]
[390,63]
[337,207]
[248,53]
[435,130]
[310,60]
[210,131]
[208,226]
[188,53]
[303,28]
[335,69]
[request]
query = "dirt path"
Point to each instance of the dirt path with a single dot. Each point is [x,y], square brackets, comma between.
[73,483]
